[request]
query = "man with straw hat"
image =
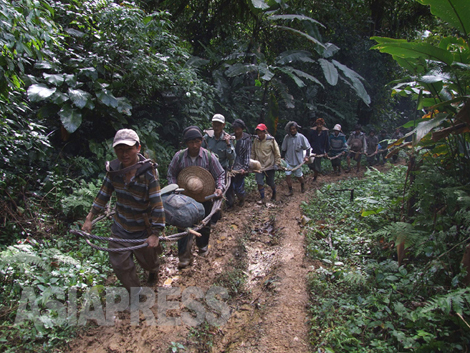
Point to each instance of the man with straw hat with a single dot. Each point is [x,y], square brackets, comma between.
[139,209]
[199,172]
[265,150]
[294,145]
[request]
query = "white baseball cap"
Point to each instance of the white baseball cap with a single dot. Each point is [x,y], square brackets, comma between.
[127,137]
[219,117]
[337,127]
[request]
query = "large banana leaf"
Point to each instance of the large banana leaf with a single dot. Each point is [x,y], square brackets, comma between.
[295,17]
[290,56]
[401,48]
[310,38]
[455,12]
[330,71]
[354,80]
[424,127]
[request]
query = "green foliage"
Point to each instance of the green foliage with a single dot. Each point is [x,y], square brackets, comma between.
[361,299]
[64,263]
[79,202]
[439,81]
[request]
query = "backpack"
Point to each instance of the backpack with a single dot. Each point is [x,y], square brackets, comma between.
[182,211]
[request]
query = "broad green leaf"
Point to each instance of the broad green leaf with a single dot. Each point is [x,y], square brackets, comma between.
[307,76]
[415,66]
[310,38]
[196,61]
[454,12]
[401,48]
[107,98]
[43,65]
[290,56]
[330,71]
[239,69]
[355,81]
[79,97]
[71,119]
[264,70]
[260,4]
[39,92]
[55,79]
[330,50]
[425,126]
[289,72]
[124,106]
[89,72]
[295,17]
[59,98]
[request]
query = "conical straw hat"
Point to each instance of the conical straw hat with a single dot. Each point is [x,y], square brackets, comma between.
[197,182]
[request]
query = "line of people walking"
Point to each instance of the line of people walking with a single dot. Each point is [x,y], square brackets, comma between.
[219,159]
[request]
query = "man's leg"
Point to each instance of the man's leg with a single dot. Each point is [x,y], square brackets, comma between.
[270,181]
[148,259]
[185,255]
[123,264]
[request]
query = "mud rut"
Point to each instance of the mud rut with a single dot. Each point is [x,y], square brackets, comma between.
[269,312]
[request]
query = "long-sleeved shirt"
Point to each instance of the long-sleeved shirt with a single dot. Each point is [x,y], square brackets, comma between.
[372,144]
[338,144]
[242,152]
[182,159]
[135,201]
[319,142]
[225,153]
[266,152]
[361,137]
[294,146]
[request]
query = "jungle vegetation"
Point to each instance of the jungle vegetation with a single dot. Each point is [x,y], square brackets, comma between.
[73,72]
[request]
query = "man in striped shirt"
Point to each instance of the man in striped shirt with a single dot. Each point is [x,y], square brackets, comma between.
[196,155]
[139,209]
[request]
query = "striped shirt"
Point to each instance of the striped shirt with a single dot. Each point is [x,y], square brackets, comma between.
[139,197]
[243,152]
[178,163]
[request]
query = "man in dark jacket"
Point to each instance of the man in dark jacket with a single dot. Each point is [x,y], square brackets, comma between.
[318,139]
[242,160]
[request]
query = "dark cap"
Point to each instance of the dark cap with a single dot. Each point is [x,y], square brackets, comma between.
[239,123]
[192,133]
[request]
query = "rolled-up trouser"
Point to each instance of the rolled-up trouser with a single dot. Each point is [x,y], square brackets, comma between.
[185,244]
[238,183]
[123,264]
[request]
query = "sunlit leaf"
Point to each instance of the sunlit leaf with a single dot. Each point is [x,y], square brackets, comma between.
[56,79]
[39,92]
[79,97]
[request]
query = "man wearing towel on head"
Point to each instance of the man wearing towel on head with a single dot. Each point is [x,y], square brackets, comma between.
[196,155]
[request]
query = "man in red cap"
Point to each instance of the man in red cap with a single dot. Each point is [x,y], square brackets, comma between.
[266,150]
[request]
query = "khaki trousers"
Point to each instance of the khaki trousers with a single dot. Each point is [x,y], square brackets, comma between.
[123,264]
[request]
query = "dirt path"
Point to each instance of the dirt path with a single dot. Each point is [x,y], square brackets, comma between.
[257,254]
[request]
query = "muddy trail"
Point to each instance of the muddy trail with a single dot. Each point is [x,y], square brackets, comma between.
[257,254]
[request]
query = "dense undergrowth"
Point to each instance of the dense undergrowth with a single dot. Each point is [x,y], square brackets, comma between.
[361,299]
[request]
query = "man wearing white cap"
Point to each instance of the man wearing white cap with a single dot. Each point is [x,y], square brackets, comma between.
[338,146]
[139,209]
[220,142]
